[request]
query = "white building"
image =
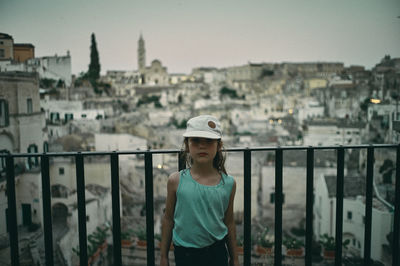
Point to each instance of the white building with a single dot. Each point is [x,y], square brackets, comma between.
[64,111]
[234,166]
[122,82]
[353,215]
[333,132]
[64,199]
[119,142]
[388,114]
[53,67]
[50,67]
[294,192]
[311,109]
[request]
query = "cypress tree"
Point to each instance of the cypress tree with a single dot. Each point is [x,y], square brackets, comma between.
[94,66]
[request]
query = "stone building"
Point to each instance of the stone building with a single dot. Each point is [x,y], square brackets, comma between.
[353,215]
[53,67]
[155,74]
[15,52]
[6,47]
[23,52]
[22,126]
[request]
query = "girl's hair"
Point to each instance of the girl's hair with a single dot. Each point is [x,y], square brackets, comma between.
[219,159]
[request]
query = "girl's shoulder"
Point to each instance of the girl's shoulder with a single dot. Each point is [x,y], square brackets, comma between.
[173,180]
[228,178]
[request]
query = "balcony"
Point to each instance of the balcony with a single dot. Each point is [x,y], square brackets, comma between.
[276,257]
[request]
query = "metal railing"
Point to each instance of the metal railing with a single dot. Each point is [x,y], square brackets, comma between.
[247,156]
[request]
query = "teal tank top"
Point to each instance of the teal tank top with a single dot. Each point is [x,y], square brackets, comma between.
[200,211]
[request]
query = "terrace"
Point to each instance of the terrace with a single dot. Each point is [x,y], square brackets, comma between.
[277,256]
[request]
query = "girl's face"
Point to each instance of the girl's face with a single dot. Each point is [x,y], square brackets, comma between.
[203,150]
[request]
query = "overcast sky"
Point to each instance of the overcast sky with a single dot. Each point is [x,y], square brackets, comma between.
[186,34]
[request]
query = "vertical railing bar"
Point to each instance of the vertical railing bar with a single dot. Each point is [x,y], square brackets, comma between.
[339,206]
[80,183]
[309,205]
[116,225]
[149,208]
[278,206]
[181,161]
[47,223]
[396,224]
[247,207]
[368,206]
[12,211]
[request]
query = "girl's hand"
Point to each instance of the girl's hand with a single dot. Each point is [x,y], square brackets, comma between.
[234,262]
[164,261]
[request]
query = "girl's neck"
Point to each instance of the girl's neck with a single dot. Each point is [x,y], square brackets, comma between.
[203,170]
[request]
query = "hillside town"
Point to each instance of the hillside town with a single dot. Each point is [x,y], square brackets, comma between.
[45,108]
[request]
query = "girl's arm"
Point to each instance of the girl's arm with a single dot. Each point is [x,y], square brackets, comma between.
[168,219]
[230,223]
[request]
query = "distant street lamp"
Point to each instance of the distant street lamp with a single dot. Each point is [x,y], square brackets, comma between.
[375,101]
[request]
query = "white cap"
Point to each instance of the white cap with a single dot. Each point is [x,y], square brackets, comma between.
[203,126]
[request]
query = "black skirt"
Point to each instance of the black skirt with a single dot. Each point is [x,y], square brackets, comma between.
[213,255]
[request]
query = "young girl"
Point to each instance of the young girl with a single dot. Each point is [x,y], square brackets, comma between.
[199,207]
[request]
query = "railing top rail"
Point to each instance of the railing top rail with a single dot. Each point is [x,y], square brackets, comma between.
[165,151]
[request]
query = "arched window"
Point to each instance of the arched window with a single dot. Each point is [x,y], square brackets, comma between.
[45,146]
[33,161]
[4,119]
[3,161]
[54,117]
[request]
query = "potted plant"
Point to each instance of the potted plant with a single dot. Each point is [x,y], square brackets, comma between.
[141,238]
[126,239]
[329,245]
[264,242]
[294,247]
[239,245]
[101,235]
[76,251]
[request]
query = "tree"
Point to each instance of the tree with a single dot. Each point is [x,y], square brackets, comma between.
[228,92]
[94,66]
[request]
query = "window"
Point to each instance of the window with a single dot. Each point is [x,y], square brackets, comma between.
[32,161]
[2,53]
[45,146]
[54,117]
[29,107]
[61,171]
[272,198]
[3,161]
[349,215]
[68,117]
[4,121]
[83,115]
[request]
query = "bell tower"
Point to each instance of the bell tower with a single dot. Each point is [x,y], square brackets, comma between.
[141,53]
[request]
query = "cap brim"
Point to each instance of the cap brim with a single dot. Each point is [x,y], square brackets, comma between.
[201,134]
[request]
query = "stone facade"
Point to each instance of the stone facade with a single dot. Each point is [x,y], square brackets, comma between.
[20,92]
[22,132]
[6,47]
[23,52]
